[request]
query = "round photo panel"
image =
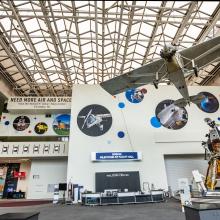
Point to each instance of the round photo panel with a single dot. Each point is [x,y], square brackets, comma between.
[94,120]
[61,125]
[209,104]
[171,116]
[135,95]
[41,128]
[21,123]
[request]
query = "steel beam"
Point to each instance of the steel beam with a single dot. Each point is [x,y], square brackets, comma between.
[62,60]
[16,62]
[154,32]
[79,41]
[119,32]
[128,36]
[185,20]
[28,39]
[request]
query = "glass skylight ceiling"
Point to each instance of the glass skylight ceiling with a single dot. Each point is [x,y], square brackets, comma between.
[46,46]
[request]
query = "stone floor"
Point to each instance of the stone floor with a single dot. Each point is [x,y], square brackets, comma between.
[169,210]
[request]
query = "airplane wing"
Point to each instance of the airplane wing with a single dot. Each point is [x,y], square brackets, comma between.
[143,75]
[203,54]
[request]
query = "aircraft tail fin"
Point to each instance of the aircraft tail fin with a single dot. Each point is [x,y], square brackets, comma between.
[196,99]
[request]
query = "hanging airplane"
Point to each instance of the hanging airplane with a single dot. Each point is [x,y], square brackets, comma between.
[90,120]
[173,66]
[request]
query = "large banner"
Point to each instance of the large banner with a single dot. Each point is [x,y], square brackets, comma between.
[42,104]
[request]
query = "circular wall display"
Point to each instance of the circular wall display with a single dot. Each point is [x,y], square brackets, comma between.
[41,128]
[135,95]
[21,123]
[170,115]
[61,124]
[155,122]
[94,120]
[7,122]
[121,104]
[209,104]
[121,134]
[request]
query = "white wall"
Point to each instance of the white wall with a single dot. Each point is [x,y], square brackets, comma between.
[134,120]
[50,171]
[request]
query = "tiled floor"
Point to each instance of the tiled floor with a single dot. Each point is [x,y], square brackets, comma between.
[169,210]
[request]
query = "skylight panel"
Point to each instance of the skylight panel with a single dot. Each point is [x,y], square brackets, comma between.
[139,49]
[19,45]
[29,62]
[60,25]
[181,4]
[208,6]
[146,29]
[54,77]
[84,4]
[193,31]
[48,63]
[31,25]
[40,47]
[6,23]
[154,3]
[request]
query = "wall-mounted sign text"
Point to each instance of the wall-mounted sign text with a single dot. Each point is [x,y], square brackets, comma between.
[18,104]
[114,156]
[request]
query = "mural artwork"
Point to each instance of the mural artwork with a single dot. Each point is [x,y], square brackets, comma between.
[135,95]
[209,104]
[171,116]
[94,120]
[40,128]
[21,123]
[61,125]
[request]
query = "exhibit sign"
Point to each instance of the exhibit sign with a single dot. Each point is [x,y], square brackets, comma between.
[110,156]
[44,104]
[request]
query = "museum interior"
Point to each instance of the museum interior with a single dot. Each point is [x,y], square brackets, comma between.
[109,110]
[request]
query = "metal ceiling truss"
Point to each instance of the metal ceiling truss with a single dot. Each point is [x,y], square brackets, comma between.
[47,46]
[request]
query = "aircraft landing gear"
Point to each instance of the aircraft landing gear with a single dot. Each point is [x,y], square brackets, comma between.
[155,82]
[195,69]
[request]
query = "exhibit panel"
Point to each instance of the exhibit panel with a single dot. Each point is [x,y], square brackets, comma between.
[27,124]
[44,175]
[142,120]
[181,166]
[14,175]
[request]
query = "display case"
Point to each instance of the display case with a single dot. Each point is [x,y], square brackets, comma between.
[123,198]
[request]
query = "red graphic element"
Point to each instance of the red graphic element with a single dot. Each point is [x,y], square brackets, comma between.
[29,131]
[4,117]
[19,174]
[144,91]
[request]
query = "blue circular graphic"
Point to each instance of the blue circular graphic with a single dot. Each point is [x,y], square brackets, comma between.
[7,123]
[155,122]
[121,104]
[135,95]
[209,103]
[219,118]
[121,134]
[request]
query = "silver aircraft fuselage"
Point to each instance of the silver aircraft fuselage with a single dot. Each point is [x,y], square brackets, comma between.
[175,69]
